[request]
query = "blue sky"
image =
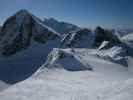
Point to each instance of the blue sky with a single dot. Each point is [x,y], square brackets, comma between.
[86,13]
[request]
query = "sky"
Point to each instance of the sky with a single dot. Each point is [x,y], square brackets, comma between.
[85,13]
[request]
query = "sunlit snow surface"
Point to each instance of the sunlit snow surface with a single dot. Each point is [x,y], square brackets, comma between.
[106,82]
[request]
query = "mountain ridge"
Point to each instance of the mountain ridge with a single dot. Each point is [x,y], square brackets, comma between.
[61,26]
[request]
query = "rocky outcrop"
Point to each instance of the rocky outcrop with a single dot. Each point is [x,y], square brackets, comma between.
[115,54]
[80,39]
[105,35]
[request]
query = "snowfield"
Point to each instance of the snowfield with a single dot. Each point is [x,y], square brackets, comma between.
[107,80]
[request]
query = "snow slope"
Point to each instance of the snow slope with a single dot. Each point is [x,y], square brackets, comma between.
[128,37]
[23,64]
[3,86]
[119,91]
[58,83]
[78,59]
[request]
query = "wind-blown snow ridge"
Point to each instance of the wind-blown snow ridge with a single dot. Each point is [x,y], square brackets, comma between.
[59,58]
[41,23]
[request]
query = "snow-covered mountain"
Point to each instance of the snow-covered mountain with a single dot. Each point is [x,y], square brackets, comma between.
[20,29]
[60,26]
[60,58]
[83,38]
[75,59]
[105,35]
[24,45]
[122,32]
[78,65]
[128,39]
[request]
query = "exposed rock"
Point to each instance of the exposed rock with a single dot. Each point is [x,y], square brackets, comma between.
[105,35]
[114,54]
[18,31]
[80,39]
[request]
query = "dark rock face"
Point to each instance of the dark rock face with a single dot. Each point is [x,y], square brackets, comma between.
[61,27]
[16,33]
[0,28]
[105,35]
[79,39]
[19,29]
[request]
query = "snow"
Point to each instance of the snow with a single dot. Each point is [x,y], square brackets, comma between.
[122,32]
[116,54]
[55,84]
[58,83]
[119,91]
[103,44]
[128,40]
[59,26]
[42,24]
[79,39]
[21,19]
[59,58]
[66,74]
[3,86]
[23,64]
[128,37]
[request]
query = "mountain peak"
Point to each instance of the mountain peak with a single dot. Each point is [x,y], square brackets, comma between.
[20,29]
[23,11]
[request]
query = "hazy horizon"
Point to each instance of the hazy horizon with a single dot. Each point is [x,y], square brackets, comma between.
[85,13]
